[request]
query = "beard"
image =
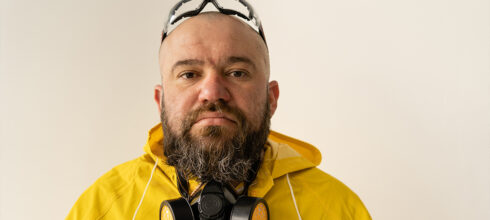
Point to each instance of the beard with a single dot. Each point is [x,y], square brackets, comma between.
[216,153]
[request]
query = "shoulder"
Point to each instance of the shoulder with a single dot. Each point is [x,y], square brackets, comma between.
[317,188]
[319,182]
[319,195]
[97,200]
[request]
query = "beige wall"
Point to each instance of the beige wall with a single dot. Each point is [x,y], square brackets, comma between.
[396,94]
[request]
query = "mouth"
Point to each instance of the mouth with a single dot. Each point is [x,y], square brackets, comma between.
[214,119]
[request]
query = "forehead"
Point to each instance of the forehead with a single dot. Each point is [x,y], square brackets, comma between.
[212,38]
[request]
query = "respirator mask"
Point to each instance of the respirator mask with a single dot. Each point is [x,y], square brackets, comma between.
[213,200]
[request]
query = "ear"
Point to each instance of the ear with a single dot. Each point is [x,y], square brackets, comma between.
[158,96]
[273,96]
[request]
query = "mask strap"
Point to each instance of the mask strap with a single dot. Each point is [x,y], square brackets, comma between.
[252,175]
[183,186]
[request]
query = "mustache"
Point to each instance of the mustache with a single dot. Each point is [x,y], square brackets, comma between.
[217,106]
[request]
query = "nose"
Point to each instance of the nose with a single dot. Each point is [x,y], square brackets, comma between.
[213,88]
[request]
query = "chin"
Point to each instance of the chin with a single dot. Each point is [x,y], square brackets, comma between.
[215,133]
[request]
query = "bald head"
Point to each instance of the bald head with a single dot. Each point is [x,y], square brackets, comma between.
[212,34]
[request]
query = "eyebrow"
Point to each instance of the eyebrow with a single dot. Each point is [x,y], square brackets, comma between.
[236,59]
[187,62]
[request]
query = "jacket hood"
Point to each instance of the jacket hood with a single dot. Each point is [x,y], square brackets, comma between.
[283,155]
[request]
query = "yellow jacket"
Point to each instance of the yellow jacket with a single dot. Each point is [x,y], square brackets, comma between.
[287,179]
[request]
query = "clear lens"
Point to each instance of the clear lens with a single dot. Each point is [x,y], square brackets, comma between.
[244,8]
[235,5]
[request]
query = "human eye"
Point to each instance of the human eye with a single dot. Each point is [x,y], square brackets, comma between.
[187,75]
[238,74]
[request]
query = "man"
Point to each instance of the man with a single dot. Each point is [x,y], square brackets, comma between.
[216,102]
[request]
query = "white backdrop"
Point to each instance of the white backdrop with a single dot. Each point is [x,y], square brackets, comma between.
[395,94]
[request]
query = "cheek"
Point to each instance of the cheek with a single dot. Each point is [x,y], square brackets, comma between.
[176,105]
[252,103]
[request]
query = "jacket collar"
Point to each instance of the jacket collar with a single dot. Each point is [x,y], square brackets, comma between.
[282,155]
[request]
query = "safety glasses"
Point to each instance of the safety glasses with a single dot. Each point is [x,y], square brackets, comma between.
[189,8]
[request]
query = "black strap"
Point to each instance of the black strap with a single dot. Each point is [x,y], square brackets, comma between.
[252,174]
[183,186]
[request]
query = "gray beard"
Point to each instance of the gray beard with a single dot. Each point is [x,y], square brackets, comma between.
[230,160]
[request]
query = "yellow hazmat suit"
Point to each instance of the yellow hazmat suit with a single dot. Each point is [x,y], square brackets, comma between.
[287,179]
